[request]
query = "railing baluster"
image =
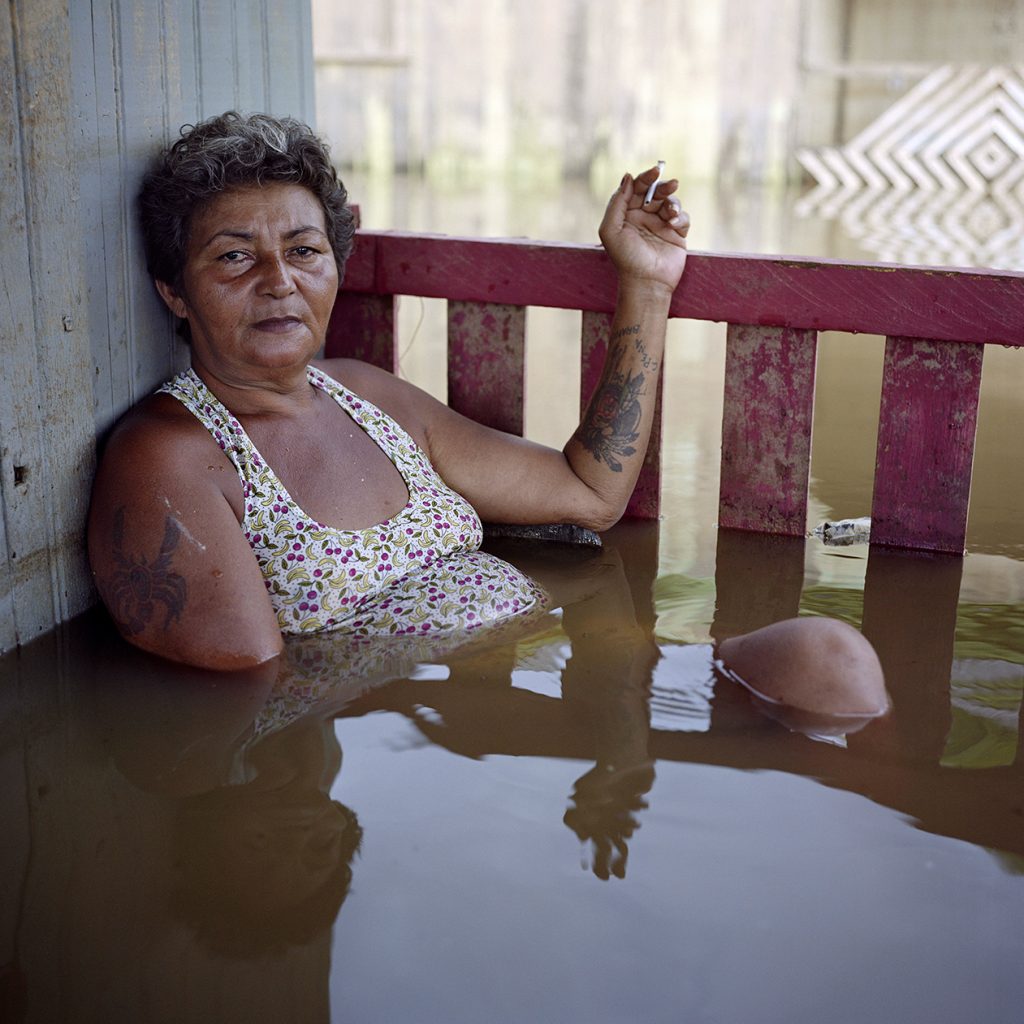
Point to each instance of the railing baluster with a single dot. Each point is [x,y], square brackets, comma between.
[486,363]
[766,428]
[929,412]
[595,333]
[363,327]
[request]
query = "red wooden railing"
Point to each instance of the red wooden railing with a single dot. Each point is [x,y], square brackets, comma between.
[936,322]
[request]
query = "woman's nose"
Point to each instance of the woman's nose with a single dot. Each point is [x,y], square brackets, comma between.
[277,277]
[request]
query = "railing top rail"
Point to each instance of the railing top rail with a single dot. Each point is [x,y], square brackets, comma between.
[941,303]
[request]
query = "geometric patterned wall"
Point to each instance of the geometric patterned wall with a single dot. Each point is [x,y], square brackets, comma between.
[938,178]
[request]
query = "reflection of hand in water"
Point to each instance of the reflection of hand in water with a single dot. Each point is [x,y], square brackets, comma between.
[603,814]
[608,680]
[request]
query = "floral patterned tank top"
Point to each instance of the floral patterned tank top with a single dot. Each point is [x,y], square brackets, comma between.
[417,573]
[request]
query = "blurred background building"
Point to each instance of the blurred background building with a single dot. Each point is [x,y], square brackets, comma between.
[749,101]
[724,89]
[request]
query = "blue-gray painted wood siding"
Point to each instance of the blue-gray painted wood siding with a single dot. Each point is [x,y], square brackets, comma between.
[89,89]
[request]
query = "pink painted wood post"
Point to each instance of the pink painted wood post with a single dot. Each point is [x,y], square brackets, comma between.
[363,327]
[926,430]
[486,363]
[766,428]
[595,333]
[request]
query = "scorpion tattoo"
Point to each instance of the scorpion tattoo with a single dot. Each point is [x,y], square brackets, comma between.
[138,585]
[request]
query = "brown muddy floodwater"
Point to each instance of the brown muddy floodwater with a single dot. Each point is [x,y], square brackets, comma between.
[574,822]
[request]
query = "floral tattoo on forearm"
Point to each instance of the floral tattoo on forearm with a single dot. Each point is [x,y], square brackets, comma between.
[612,425]
[138,585]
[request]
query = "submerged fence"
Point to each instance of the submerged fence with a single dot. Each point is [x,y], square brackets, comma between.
[936,322]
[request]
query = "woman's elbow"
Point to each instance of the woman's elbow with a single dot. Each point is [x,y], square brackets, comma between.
[600,515]
[227,650]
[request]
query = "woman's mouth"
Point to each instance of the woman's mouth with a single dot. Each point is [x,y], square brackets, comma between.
[278,324]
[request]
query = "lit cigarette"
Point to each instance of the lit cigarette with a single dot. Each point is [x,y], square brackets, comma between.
[654,184]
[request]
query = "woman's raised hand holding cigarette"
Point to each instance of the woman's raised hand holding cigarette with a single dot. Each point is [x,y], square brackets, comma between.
[644,229]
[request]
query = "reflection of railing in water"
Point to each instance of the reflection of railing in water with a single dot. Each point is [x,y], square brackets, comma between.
[909,614]
[936,323]
[138,789]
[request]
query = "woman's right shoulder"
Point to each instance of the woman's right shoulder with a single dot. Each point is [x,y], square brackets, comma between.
[157,432]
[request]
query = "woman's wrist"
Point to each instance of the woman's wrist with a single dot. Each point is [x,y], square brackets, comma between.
[646,290]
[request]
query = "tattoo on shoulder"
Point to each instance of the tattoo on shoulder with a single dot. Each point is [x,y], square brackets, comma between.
[612,424]
[137,585]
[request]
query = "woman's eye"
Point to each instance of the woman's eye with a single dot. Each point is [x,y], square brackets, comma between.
[235,256]
[304,251]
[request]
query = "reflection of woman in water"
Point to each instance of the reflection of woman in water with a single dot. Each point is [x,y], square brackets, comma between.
[815,676]
[241,780]
[266,864]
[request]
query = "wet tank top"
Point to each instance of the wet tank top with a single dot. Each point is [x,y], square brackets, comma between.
[418,572]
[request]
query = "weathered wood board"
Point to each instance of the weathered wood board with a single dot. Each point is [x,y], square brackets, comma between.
[90,91]
[927,424]
[766,429]
[984,306]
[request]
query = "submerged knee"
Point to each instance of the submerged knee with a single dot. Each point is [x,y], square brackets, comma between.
[815,664]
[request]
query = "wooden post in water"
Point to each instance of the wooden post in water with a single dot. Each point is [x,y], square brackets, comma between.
[926,435]
[487,363]
[766,429]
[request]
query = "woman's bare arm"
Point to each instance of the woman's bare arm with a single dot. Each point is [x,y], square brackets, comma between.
[167,553]
[589,482]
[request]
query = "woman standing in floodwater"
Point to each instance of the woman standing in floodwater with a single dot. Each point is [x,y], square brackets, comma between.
[265,492]
[359,496]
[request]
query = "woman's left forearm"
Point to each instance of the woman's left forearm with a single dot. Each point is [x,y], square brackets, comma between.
[590,481]
[607,449]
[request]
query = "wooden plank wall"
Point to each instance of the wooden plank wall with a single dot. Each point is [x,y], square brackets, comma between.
[95,87]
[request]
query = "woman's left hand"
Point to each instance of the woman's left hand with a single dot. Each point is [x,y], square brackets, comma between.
[646,242]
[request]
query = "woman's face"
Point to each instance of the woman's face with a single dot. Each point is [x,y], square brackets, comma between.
[259,281]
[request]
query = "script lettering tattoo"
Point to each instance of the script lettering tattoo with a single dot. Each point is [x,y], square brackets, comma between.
[648,363]
[612,425]
[138,585]
[646,360]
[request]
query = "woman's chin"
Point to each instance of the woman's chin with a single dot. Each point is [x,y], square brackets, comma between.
[282,351]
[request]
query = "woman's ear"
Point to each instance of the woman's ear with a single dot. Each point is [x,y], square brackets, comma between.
[173,299]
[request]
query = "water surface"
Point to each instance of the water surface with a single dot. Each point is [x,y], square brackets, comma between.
[574,823]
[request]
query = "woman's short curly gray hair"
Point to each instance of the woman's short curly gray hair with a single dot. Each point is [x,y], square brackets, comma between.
[229,151]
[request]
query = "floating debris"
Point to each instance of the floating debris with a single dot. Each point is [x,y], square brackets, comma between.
[843,532]
[559,533]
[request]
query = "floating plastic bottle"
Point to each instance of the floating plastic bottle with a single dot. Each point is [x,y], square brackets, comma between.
[842,532]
